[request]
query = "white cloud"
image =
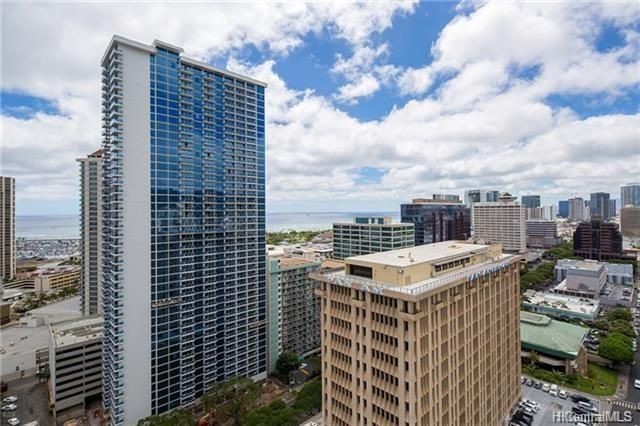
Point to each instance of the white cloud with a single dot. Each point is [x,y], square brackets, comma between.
[484,123]
[365,86]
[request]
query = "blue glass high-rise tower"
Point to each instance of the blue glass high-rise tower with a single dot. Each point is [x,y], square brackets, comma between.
[183,228]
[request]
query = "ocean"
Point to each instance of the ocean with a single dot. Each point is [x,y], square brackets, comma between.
[67,226]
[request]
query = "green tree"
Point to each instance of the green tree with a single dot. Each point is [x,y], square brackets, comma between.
[601,324]
[286,363]
[274,414]
[232,399]
[177,417]
[617,348]
[534,358]
[309,400]
[619,314]
[622,327]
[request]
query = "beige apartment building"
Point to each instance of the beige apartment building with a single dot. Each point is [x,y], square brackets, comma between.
[57,280]
[427,335]
[503,222]
[8,224]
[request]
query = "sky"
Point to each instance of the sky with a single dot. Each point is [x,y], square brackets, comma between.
[368,104]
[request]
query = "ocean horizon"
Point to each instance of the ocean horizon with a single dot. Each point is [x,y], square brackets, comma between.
[37,227]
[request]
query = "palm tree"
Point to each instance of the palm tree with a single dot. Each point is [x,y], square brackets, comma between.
[534,358]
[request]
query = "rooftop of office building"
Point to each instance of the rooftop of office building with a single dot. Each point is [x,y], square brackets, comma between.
[590,265]
[296,262]
[566,303]
[545,335]
[427,253]
[68,333]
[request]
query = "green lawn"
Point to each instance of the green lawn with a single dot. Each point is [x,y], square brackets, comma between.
[599,381]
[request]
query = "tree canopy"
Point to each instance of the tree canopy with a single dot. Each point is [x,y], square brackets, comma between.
[616,347]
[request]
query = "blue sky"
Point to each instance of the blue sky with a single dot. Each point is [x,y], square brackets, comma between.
[368,104]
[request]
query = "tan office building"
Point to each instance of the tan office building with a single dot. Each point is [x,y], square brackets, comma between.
[427,335]
[8,224]
[57,281]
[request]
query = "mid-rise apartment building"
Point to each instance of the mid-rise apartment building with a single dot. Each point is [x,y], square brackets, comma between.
[90,233]
[542,233]
[435,221]
[68,277]
[8,223]
[502,222]
[630,195]
[421,336]
[472,196]
[544,212]
[294,310]
[630,222]
[75,362]
[184,297]
[370,235]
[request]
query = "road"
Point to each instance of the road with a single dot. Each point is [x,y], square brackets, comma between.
[633,395]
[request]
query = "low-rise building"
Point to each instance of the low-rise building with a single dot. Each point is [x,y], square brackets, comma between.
[614,273]
[370,235]
[557,343]
[561,306]
[75,362]
[581,278]
[57,280]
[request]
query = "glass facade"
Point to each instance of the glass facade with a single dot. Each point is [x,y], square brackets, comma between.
[207,198]
[437,222]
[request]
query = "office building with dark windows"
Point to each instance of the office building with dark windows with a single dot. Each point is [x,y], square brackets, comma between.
[530,201]
[436,220]
[597,240]
[563,208]
[90,232]
[427,335]
[184,257]
[599,205]
[630,195]
[370,235]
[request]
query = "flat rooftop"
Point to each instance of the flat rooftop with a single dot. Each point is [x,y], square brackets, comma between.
[590,265]
[426,253]
[548,336]
[292,262]
[76,331]
[15,341]
[562,302]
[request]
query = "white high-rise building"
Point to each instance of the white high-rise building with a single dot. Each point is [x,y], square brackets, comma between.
[184,296]
[577,209]
[8,223]
[502,221]
[90,233]
[472,196]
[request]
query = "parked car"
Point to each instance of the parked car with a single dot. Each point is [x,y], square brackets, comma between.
[10,399]
[537,385]
[545,388]
[587,406]
[577,397]
[553,392]
[529,382]
[4,387]
[9,407]
[13,421]
[522,379]
[636,383]
[562,394]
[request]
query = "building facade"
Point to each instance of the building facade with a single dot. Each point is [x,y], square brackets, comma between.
[630,195]
[370,235]
[184,297]
[435,221]
[577,209]
[599,205]
[542,233]
[8,221]
[502,222]
[446,197]
[294,309]
[57,281]
[90,233]
[563,208]
[75,362]
[544,212]
[472,196]
[597,240]
[630,222]
[530,201]
[613,208]
[421,336]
